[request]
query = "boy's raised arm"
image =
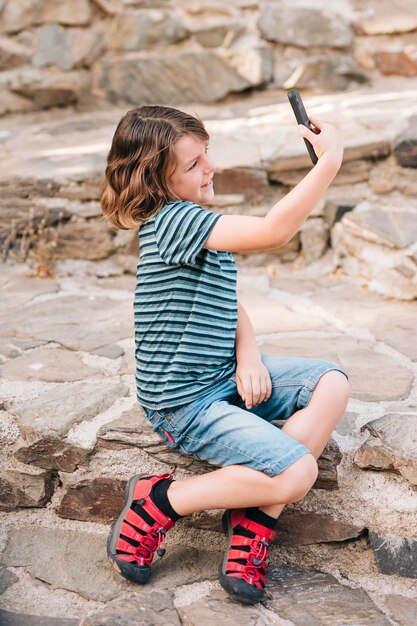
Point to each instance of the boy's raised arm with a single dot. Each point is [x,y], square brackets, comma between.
[236,233]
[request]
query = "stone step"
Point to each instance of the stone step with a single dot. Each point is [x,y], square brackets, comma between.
[55,168]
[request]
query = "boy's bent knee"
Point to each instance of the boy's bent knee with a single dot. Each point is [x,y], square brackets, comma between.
[297,480]
[336,380]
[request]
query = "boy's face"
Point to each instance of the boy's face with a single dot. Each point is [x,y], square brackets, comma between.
[193,176]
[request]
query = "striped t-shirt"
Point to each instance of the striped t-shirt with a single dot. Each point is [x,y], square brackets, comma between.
[185,308]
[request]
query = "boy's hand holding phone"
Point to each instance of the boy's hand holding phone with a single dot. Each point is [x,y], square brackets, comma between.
[321,138]
[327,144]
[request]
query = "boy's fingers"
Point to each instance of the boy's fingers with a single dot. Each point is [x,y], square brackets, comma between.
[306,132]
[316,123]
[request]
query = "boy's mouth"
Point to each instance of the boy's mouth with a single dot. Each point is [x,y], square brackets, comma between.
[208,183]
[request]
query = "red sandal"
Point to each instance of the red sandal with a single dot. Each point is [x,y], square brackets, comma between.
[133,541]
[243,569]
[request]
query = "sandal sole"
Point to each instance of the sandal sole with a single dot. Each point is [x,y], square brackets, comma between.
[130,571]
[236,587]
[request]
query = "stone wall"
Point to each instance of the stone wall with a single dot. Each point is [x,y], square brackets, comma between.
[97,52]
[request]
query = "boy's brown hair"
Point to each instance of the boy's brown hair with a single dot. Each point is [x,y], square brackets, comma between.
[141,160]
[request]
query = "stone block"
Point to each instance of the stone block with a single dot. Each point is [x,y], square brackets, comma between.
[397,61]
[306,70]
[76,561]
[84,239]
[377,244]
[53,453]
[144,78]
[67,48]
[392,445]
[64,559]
[302,528]
[75,13]
[65,324]
[405,145]
[285,154]
[12,53]
[216,32]
[12,103]
[7,579]
[49,88]
[219,608]
[402,610]
[11,618]
[310,597]
[250,182]
[25,213]
[294,528]
[20,14]
[18,291]
[46,421]
[155,607]
[394,229]
[48,364]
[388,176]
[304,25]
[109,7]
[387,18]
[314,236]
[395,555]
[98,500]
[138,30]
[327,462]
[23,489]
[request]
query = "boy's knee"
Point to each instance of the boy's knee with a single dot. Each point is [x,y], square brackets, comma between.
[337,384]
[298,479]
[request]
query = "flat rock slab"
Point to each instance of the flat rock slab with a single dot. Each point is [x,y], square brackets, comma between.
[7,579]
[218,608]
[63,320]
[8,618]
[64,559]
[23,489]
[268,316]
[46,422]
[297,528]
[389,321]
[50,364]
[98,500]
[19,289]
[392,445]
[77,561]
[294,528]
[311,597]
[367,369]
[402,610]
[395,229]
[46,151]
[155,607]
[64,406]
[395,555]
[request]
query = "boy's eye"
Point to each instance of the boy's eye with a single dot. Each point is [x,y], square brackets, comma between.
[193,165]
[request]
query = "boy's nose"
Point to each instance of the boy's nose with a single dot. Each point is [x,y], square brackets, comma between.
[210,167]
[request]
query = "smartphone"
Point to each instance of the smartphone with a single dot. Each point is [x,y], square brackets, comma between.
[302,118]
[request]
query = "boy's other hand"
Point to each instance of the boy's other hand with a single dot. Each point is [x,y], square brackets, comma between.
[253,382]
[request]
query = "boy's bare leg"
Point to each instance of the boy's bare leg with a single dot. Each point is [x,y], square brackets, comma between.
[313,425]
[238,486]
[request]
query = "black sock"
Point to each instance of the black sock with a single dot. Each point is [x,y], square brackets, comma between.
[160,497]
[258,516]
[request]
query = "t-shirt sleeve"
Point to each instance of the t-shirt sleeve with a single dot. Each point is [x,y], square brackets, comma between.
[181,229]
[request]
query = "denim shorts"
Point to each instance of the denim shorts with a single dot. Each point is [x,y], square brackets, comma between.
[218,427]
